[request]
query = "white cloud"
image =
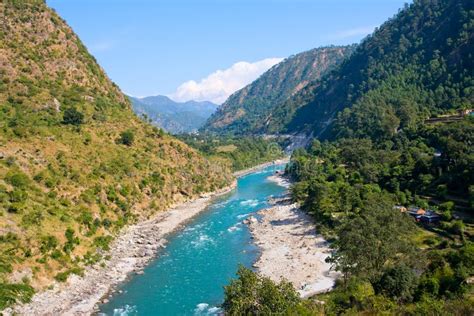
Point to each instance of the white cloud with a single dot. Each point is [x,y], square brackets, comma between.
[220,84]
[358,31]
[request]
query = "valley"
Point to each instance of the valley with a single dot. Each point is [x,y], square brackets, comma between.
[336,181]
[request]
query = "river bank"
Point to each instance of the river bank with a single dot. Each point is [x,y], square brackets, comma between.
[291,248]
[245,172]
[130,252]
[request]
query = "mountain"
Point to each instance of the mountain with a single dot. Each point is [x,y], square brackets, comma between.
[174,117]
[76,164]
[416,65]
[259,107]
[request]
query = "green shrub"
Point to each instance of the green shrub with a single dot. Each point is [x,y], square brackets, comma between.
[48,243]
[398,283]
[72,116]
[62,276]
[18,179]
[33,218]
[126,138]
[103,242]
[14,208]
[18,195]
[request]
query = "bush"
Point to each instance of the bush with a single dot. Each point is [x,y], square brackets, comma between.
[446,208]
[14,208]
[48,243]
[71,242]
[18,179]
[126,138]
[103,242]
[17,196]
[73,117]
[398,283]
[62,276]
[457,227]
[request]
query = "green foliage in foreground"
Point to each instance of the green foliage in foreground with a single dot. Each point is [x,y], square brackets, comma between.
[240,152]
[251,294]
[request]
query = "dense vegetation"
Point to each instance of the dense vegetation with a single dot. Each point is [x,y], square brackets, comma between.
[351,186]
[380,153]
[174,117]
[388,263]
[237,152]
[416,65]
[76,164]
[259,108]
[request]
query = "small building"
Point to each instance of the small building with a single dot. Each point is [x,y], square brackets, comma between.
[430,217]
[416,211]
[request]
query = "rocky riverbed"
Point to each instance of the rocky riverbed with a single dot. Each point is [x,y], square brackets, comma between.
[291,248]
[130,252]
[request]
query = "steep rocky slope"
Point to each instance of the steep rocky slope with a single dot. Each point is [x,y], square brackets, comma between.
[76,164]
[259,107]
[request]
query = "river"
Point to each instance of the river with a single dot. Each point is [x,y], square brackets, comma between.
[188,276]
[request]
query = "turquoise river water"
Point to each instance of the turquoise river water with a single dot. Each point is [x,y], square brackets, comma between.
[188,276]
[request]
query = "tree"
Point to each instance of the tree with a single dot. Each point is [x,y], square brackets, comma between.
[447,208]
[251,294]
[126,138]
[366,242]
[398,282]
[73,117]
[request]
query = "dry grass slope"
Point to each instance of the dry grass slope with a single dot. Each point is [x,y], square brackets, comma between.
[67,189]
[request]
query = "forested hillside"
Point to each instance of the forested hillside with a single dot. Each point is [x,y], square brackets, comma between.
[260,107]
[382,166]
[173,117]
[416,65]
[76,164]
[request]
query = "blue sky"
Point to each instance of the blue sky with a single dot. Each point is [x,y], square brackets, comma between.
[151,47]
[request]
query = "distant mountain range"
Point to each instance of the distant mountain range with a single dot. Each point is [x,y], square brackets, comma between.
[260,107]
[174,117]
